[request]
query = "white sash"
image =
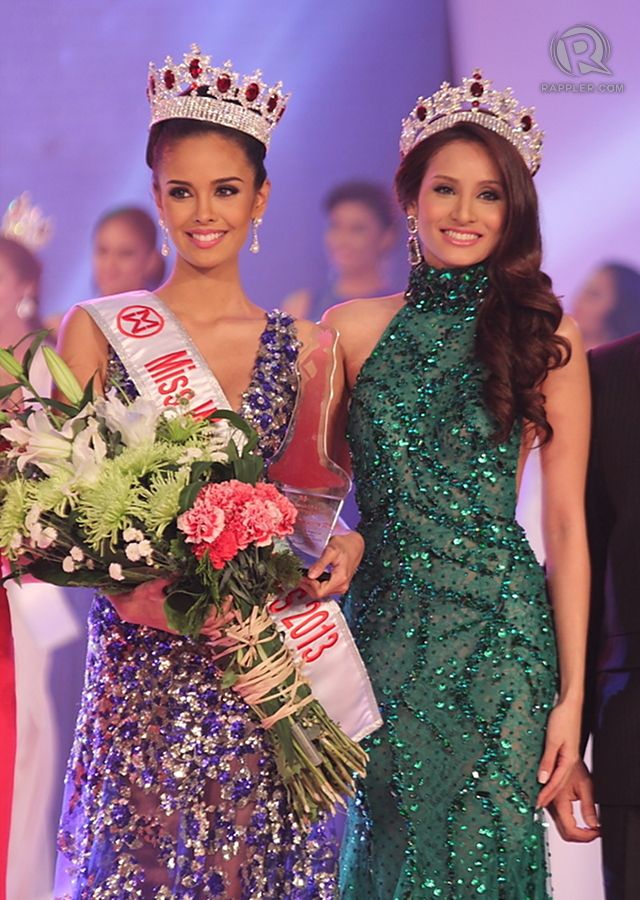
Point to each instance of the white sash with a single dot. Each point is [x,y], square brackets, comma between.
[163,362]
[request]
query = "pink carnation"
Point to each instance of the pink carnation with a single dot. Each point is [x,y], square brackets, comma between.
[232,515]
[287,510]
[202,523]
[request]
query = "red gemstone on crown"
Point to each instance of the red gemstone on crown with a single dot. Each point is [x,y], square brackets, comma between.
[476,89]
[281,113]
[251,92]
[477,75]
[195,69]
[421,113]
[475,104]
[272,102]
[169,79]
[152,85]
[223,83]
[526,123]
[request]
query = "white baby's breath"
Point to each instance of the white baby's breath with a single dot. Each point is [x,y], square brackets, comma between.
[132,552]
[115,572]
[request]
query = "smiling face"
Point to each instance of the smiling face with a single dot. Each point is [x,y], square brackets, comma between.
[461,206]
[205,190]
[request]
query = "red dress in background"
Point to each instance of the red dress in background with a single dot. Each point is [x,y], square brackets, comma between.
[7,733]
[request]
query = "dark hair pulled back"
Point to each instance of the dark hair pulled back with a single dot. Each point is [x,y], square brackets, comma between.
[163,134]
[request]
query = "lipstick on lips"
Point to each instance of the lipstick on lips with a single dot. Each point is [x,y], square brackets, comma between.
[205,238]
[460,237]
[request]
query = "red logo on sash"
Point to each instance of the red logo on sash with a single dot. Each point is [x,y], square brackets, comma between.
[139,321]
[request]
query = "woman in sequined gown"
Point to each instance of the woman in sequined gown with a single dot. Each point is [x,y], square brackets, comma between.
[449,606]
[172,791]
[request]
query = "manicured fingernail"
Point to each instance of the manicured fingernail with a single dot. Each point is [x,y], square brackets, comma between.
[543,777]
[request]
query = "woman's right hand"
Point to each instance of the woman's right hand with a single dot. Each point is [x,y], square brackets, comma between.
[144,605]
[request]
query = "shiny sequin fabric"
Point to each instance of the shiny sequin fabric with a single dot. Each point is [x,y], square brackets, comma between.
[171,789]
[450,613]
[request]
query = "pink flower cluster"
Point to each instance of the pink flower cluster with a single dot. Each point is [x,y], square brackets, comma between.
[232,515]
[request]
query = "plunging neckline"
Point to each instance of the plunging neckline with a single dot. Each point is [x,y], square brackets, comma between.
[199,357]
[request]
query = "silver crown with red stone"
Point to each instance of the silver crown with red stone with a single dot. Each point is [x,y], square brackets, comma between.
[475,101]
[194,89]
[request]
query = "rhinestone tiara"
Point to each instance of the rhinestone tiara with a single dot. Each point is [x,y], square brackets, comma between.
[25,223]
[475,101]
[194,89]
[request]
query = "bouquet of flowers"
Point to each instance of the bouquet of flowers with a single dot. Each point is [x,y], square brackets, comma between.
[111,493]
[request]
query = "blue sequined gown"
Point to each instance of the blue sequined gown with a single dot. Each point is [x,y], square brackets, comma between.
[171,789]
[450,613]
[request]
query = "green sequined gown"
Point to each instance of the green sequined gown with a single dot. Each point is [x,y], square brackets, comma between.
[450,612]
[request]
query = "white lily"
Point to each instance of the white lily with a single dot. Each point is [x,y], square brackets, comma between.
[88,453]
[39,443]
[135,422]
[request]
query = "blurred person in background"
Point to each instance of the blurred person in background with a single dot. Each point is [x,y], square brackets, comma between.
[124,255]
[41,617]
[359,237]
[607,306]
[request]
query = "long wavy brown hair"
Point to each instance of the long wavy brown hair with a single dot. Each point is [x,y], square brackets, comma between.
[516,330]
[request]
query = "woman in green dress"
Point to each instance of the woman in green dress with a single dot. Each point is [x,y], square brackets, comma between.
[475,652]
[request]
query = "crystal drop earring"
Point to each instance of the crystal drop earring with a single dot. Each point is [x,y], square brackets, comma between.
[164,249]
[255,243]
[413,245]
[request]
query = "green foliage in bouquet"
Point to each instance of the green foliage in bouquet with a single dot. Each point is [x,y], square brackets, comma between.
[111,493]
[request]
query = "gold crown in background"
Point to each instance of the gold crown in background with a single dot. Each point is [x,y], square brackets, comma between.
[475,101]
[194,89]
[25,223]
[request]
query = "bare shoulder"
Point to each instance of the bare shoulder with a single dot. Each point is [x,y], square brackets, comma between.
[355,313]
[82,344]
[78,325]
[360,324]
[569,329]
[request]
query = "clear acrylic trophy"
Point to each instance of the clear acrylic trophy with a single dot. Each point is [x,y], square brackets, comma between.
[303,469]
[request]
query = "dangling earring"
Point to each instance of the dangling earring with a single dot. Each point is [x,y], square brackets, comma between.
[255,243]
[26,307]
[164,249]
[413,245]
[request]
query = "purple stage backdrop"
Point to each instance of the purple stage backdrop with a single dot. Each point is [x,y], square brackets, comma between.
[75,115]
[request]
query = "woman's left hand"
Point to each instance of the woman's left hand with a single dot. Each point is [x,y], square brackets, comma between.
[561,750]
[342,556]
